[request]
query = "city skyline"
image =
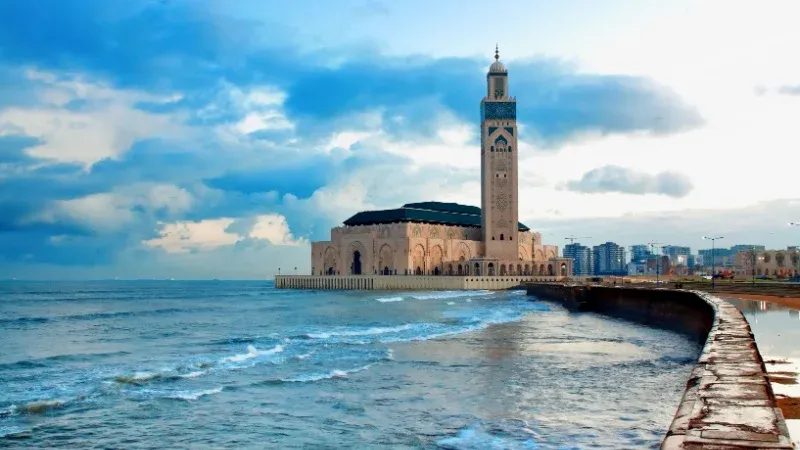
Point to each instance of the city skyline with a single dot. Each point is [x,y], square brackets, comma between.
[203,140]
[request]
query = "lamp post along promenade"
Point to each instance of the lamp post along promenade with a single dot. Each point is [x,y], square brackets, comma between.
[713,258]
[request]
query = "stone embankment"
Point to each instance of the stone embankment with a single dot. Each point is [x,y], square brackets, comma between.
[406,282]
[728,402]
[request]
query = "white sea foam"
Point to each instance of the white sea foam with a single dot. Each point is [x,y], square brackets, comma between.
[389,299]
[365,332]
[476,437]
[306,355]
[450,294]
[451,303]
[253,352]
[191,396]
[194,374]
[336,373]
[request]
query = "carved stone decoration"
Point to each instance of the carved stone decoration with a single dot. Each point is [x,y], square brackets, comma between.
[434,233]
[416,231]
[451,233]
[502,201]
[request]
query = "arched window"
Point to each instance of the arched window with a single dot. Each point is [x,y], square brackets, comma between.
[492,147]
[502,237]
[492,237]
[509,149]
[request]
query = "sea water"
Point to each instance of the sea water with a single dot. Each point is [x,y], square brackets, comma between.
[174,364]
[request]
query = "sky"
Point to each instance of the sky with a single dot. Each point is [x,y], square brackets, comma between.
[215,139]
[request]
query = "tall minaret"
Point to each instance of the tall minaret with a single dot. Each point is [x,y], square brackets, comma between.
[499,187]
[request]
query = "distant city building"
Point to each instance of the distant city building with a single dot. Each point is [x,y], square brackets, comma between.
[744,248]
[658,265]
[768,263]
[692,264]
[723,257]
[639,253]
[581,256]
[609,259]
[791,248]
[635,269]
[674,252]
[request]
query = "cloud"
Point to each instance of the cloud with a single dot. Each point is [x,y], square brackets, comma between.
[185,236]
[210,234]
[83,122]
[142,135]
[273,229]
[789,90]
[174,47]
[621,179]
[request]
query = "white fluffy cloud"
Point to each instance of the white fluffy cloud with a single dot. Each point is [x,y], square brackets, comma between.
[115,210]
[274,229]
[187,236]
[84,121]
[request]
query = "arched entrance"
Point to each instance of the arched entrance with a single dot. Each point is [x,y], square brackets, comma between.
[490,269]
[356,267]
[477,270]
[418,271]
[550,270]
[436,271]
[386,271]
[460,269]
[563,269]
[330,270]
[502,269]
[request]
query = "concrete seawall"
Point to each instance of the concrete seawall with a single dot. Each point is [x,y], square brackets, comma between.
[406,282]
[728,402]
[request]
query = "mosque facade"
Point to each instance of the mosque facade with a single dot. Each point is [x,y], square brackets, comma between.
[435,238]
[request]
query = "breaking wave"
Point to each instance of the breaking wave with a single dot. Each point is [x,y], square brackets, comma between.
[192,396]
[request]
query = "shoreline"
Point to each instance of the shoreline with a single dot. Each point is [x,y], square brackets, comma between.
[783,374]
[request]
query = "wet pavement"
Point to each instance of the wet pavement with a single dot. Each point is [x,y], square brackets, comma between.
[777,332]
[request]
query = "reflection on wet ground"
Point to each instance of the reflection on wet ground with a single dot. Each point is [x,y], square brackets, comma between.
[777,332]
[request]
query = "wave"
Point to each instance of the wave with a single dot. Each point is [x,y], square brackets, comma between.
[140,378]
[336,373]
[44,362]
[507,434]
[363,332]
[94,316]
[451,294]
[389,299]
[34,408]
[253,352]
[191,396]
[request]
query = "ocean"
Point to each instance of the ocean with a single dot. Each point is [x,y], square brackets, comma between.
[224,364]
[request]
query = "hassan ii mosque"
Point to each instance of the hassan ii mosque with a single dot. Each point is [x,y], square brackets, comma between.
[433,238]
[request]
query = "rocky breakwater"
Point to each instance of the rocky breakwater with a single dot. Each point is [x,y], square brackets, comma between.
[728,401]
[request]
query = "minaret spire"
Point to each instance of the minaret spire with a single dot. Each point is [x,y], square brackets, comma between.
[496,52]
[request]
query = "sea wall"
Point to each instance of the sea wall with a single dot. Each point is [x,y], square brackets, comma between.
[406,282]
[728,401]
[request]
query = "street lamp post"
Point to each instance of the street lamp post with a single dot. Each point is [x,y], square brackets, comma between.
[713,260]
[652,244]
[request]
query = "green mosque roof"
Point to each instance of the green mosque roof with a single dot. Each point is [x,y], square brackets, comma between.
[424,212]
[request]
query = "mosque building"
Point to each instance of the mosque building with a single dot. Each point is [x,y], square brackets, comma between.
[434,238]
